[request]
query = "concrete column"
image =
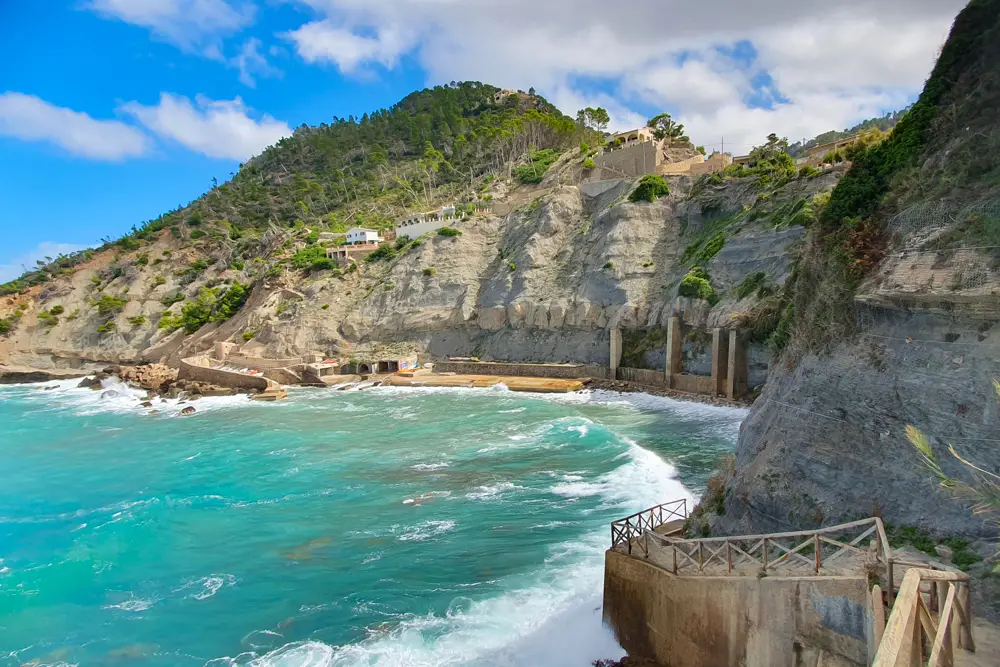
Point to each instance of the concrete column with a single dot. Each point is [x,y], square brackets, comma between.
[720,360]
[736,380]
[673,351]
[616,352]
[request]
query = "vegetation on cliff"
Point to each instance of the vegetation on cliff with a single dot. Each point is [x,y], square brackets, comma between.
[944,148]
[445,142]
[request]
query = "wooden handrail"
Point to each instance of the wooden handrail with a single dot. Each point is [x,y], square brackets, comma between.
[625,531]
[912,633]
[768,553]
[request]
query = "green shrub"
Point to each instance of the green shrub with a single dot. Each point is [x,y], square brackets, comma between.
[109,305]
[609,266]
[142,259]
[197,234]
[159,280]
[512,266]
[47,318]
[752,284]
[138,320]
[430,271]
[539,163]
[697,285]
[385,251]
[170,299]
[74,315]
[449,231]
[809,171]
[248,336]
[305,258]
[712,248]
[57,310]
[5,326]
[589,164]
[325,306]
[584,147]
[107,327]
[237,265]
[649,189]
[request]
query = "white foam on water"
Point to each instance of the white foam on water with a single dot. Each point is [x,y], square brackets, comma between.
[429,466]
[493,491]
[133,604]
[207,586]
[554,619]
[426,531]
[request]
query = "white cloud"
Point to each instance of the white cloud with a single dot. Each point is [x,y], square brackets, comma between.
[831,63]
[251,63]
[30,118]
[192,25]
[18,265]
[324,42]
[220,129]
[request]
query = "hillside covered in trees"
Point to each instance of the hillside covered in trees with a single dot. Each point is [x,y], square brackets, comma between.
[434,144]
[882,123]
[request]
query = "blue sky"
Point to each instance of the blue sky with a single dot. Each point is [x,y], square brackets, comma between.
[114,111]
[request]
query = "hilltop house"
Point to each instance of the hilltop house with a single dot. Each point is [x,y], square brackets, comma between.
[358,243]
[637,152]
[361,235]
[499,97]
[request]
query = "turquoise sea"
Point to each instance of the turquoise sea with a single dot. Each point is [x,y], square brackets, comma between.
[379,527]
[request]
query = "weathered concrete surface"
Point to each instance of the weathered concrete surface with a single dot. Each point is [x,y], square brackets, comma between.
[518,383]
[564,371]
[199,369]
[746,621]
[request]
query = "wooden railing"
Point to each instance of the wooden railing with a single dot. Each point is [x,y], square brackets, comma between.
[913,637]
[631,528]
[815,551]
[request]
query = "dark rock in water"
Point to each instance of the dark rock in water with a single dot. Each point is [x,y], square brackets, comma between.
[163,400]
[92,382]
[187,411]
[146,404]
[153,412]
[110,393]
[52,387]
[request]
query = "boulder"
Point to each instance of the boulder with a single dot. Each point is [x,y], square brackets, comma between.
[110,393]
[145,404]
[92,382]
[188,411]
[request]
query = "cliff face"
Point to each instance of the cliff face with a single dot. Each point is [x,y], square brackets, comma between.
[912,340]
[543,283]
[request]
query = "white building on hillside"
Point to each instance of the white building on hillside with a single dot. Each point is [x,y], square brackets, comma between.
[360,235]
[418,224]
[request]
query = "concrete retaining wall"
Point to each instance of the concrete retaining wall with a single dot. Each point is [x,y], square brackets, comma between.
[693,384]
[199,369]
[633,161]
[598,188]
[716,621]
[261,364]
[562,371]
[643,376]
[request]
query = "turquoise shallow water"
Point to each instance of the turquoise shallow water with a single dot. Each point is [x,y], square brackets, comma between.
[382,527]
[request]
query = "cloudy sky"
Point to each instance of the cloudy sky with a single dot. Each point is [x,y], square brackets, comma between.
[114,111]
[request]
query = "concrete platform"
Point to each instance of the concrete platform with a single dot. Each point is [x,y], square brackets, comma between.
[541,385]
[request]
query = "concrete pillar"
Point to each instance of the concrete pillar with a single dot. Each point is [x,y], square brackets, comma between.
[616,352]
[736,380]
[673,352]
[720,360]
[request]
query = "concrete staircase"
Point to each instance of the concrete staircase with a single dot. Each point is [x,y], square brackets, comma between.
[836,596]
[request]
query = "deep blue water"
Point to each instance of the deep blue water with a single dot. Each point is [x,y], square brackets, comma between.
[376,527]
